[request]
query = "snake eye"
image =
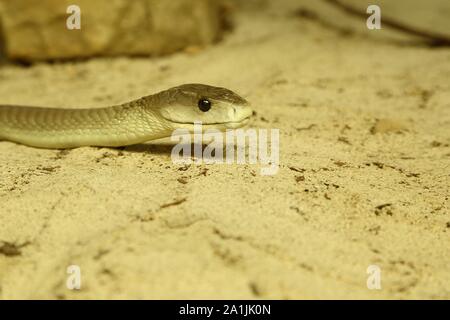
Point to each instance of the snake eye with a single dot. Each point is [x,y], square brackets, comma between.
[204,104]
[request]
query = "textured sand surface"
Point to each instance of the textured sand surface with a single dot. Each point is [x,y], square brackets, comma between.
[364,174]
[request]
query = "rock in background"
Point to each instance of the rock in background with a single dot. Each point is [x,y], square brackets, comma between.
[36,30]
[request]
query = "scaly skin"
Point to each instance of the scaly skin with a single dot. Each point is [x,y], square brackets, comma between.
[129,123]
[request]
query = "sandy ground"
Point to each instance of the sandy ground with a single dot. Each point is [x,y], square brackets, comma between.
[364,121]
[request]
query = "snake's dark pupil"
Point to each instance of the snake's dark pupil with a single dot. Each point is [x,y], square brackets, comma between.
[204,105]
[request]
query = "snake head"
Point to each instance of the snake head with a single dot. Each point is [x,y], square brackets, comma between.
[214,107]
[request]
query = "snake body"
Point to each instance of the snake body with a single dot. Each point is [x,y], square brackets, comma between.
[137,121]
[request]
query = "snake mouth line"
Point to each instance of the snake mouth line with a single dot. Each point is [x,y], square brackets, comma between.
[243,121]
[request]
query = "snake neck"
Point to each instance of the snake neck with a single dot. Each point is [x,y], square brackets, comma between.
[130,123]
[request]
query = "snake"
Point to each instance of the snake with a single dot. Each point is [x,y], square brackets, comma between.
[148,118]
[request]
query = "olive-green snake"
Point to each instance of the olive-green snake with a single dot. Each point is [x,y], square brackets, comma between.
[148,118]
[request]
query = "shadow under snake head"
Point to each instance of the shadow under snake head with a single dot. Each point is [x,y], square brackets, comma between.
[214,107]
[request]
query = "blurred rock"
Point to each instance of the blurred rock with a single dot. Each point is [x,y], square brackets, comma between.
[430,16]
[36,29]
